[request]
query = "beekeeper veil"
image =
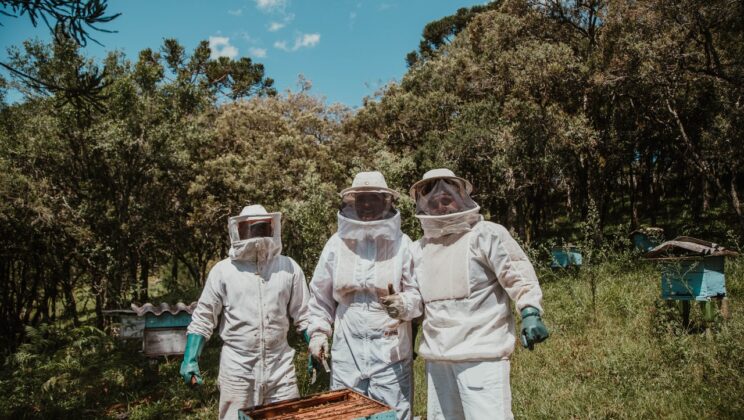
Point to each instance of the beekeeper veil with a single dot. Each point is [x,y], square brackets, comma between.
[255,235]
[369,229]
[443,203]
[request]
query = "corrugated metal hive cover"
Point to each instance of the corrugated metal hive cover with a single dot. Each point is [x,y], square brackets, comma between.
[163,307]
[685,247]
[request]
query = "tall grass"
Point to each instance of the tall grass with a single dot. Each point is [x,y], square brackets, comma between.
[621,353]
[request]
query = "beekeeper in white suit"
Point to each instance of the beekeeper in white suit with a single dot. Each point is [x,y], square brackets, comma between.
[257,291]
[366,259]
[468,270]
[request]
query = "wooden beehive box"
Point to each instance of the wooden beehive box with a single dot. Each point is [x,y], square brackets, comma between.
[129,325]
[694,279]
[691,269]
[164,328]
[339,405]
[646,239]
[565,257]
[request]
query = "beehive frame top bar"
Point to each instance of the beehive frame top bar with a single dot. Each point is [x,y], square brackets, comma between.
[342,404]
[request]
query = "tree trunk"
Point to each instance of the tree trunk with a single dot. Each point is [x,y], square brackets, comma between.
[68,290]
[174,271]
[735,203]
[99,289]
[633,198]
[144,275]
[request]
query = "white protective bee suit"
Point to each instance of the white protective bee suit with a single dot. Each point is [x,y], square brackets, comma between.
[468,270]
[371,352]
[257,291]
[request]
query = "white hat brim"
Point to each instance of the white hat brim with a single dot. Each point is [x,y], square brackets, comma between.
[468,185]
[372,189]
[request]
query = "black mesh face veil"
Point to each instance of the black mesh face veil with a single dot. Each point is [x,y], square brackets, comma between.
[244,228]
[443,196]
[367,206]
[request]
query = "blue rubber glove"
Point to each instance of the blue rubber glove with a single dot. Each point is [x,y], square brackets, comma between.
[306,336]
[310,366]
[190,364]
[533,329]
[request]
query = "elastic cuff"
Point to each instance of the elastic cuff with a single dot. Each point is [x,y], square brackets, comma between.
[528,311]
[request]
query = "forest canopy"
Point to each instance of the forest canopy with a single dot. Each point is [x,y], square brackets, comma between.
[615,113]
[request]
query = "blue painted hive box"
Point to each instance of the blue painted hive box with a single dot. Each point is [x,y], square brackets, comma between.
[564,257]
[700,280]
[343,404]
[692,269]
[646,239]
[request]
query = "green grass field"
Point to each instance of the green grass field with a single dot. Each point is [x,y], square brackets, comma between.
[620,353]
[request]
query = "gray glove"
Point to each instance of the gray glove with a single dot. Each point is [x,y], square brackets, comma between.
[394,305]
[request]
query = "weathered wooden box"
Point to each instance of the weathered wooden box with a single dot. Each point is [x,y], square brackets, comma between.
[694,279]
[339,405]
[565,257]
[165,334]
[129,325]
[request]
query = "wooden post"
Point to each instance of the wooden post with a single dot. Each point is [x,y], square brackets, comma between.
[686,313]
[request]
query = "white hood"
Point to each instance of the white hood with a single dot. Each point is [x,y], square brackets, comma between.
[258,250]
[387,229]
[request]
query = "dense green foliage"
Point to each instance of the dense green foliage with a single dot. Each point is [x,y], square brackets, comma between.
[575,120]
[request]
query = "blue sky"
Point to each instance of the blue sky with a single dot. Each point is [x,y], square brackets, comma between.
[347,49]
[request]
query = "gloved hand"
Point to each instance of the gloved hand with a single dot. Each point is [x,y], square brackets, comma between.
[305,336]
[394,305]
[310,368]
[190,364]
[533,329]
[319,346]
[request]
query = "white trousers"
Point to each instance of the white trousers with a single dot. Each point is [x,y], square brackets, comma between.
[246,382]
[239,394]
[391,385]
[468,390]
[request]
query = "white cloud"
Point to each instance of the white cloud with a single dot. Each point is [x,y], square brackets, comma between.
[352,19]
[275,26]
[236,12]
[270,5]
[301,41]
[257,52]
[221,47]
[308,40]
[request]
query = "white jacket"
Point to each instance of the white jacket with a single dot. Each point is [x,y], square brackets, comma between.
[479,324]
[256,303]
[355,267]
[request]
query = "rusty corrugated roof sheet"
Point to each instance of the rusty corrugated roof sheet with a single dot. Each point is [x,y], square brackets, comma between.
[687,246]
[163,307]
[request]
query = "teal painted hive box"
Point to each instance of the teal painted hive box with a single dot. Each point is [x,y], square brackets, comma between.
[646,239]
[697,279]
[565,257]
[167,320]
[165,328]
[343,404]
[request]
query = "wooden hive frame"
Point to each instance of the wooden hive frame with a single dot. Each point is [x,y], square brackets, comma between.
[341,404]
